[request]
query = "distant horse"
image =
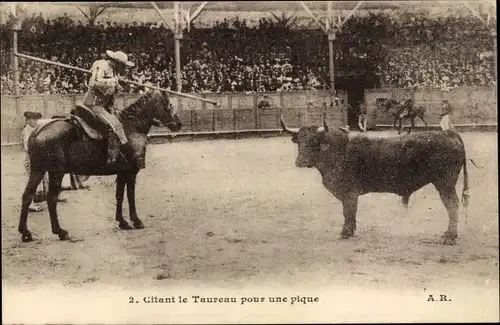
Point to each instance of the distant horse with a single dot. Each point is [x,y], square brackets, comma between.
[72,145]
[406,110]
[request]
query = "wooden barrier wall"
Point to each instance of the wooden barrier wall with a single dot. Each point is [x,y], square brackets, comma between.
[471,105]
[238,111]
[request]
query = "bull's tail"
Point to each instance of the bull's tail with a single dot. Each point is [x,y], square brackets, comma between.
[465,192]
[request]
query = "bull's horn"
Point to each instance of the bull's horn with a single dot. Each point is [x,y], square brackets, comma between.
[285,128]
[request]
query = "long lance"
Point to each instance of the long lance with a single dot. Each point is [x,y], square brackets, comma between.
[67,66]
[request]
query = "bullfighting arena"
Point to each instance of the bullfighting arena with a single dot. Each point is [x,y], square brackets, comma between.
[239,214]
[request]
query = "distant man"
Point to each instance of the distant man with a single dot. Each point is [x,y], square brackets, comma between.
[264,102]
[446,111]
[31,121]
[406,108]
[362,112]
[336,103]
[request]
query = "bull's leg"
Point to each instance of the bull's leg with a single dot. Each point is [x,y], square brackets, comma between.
[131,179]
[395,122]
[120,190]
[55,179]
[400,129]
[28,196]
[72,179]
[450,200]
[406,200]
[350,207]
[80,183]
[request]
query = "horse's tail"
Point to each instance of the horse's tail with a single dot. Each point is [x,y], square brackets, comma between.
[465,191]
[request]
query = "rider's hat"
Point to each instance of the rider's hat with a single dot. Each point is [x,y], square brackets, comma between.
[32,115]
[121,57]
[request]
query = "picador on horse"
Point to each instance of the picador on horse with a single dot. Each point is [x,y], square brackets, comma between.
[100,99]
[404,110]
[407,108]
[88,142]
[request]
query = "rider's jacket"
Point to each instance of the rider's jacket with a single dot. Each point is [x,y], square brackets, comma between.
[103,85]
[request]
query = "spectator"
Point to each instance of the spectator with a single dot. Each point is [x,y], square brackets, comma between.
[446,111]
[362,116]
[40,195]
[405,50]
[264,102]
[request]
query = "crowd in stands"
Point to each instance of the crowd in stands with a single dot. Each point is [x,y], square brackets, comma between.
[403,51]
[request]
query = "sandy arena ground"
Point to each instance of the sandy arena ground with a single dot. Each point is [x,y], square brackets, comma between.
[239,211]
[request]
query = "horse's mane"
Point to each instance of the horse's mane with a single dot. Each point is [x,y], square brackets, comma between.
[408,101]
[134,109]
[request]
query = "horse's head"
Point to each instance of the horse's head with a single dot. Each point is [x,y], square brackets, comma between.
[161,111]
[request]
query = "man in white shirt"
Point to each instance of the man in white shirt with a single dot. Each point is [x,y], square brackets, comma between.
[31,120]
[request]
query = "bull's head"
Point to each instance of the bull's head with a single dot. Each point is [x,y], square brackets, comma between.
[309,140]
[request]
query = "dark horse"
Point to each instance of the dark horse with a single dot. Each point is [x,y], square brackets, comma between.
[76,180]
[72,145]
[406,110]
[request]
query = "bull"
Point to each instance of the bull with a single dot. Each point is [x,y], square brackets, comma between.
[351,166]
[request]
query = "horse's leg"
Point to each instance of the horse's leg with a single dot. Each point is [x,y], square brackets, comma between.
[120,189]
[400,129]
[412,120]
[425,122]
[27,198]
[55,179]
[131,201]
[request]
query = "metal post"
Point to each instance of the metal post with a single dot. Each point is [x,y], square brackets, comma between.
[494,34]
[197,12]
[331,38]
[167,25]
[178,37]
[306,8]
[178,64]
[15,61]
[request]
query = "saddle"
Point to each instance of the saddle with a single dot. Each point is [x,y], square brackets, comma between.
[83,117]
